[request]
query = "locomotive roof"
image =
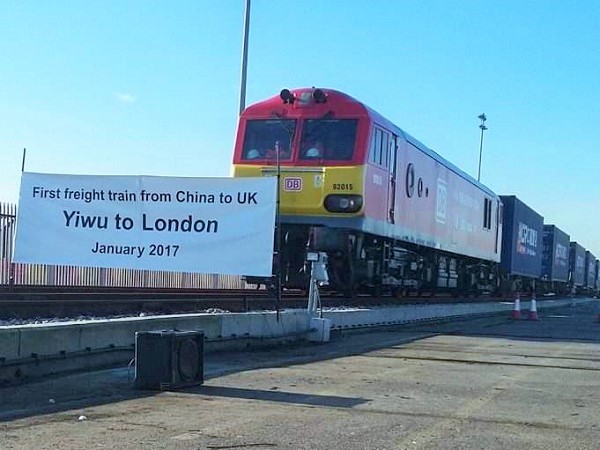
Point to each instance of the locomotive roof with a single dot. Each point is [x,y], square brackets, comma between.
[356,106]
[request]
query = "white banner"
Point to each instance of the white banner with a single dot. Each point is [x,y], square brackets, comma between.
[205,225]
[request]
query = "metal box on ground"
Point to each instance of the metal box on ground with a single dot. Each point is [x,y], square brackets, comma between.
[521,238]
[169,359]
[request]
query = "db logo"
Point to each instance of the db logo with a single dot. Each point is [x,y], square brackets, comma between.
[292,184]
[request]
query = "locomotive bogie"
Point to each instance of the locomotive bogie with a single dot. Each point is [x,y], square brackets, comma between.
[370,263]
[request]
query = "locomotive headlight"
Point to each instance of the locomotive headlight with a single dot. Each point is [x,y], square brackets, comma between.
[342,203]
[287,97]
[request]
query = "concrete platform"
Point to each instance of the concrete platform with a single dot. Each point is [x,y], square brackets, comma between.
[486,382]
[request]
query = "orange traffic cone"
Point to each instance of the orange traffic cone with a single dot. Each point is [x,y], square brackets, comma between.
[516,312]
[533,315]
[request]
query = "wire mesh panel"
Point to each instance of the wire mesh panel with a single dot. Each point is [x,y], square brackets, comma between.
[8,217]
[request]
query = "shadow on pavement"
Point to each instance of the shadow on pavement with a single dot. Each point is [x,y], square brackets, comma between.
[279,396]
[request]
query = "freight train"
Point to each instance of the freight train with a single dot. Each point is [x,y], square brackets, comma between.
[392,215]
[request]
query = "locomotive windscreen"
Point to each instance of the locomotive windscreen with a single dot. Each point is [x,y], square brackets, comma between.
[328,139]
[264,138]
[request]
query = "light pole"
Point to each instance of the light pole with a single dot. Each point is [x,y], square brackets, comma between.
[483,128]
[278,231]
[245,57]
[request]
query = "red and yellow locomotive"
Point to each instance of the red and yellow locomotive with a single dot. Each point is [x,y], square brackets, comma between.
[391,214]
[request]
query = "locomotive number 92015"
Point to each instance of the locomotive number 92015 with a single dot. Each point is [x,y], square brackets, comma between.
[342,186]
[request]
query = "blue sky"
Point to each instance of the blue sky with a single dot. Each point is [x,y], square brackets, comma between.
[138,87]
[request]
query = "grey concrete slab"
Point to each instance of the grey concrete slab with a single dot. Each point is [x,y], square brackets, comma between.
[479,383]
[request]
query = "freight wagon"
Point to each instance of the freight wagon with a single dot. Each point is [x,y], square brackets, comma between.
[576,267]
[555,261]
[521,243]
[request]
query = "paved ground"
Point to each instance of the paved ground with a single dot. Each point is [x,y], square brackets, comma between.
[481,383]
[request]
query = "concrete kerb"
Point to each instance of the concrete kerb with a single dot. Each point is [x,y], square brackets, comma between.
[264,324]
[226,331]
[349,319]
[18,342]
[9,344]
[422,313]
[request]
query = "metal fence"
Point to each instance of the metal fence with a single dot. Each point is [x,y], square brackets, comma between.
[46,275]
[8,218]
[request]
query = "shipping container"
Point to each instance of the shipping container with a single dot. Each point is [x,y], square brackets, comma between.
[555,256]
[590,270]
[576,265]
[521,238]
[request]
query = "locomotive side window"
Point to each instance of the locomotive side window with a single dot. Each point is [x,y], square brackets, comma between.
[264,138]
[328,139]
[487,213]
[378,138]
[372,146]
[385,143]
[379,149]
[391,154]
[485,200]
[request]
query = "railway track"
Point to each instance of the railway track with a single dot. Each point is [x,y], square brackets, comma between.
[60,302]
[27,302]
